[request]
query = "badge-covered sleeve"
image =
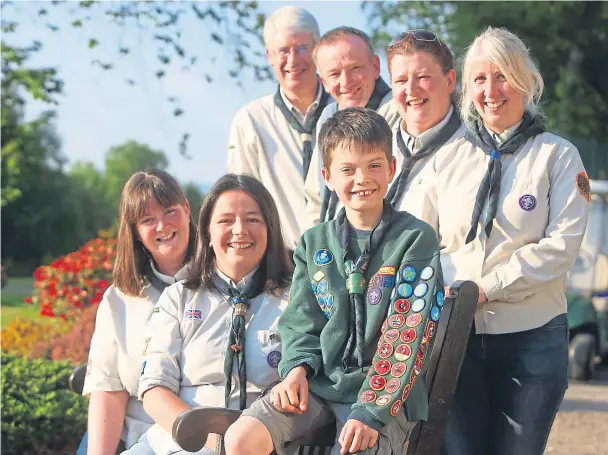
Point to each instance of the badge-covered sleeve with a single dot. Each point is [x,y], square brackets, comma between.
[301,323]
[554,255]
[405,343]
[102,368]
[243,146]
[161,364]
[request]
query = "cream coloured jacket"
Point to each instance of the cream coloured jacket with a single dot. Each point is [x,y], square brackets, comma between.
[189,337]
[314,181]
[538,229]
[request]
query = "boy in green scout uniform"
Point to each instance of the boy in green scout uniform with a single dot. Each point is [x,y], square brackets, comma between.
[366,296]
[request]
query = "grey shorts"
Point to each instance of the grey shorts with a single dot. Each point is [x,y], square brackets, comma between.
[286,427]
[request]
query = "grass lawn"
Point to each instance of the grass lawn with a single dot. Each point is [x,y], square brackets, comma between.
[12,299]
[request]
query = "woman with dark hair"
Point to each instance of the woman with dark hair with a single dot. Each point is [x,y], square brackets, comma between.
[214,338]
[156,237]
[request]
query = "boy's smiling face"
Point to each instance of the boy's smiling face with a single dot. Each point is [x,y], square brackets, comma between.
[359,178]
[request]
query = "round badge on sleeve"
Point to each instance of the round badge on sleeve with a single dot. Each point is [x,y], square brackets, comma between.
[421,290]
[391,335]
[377,382]
[374,295]
[383,400]
[396,321]
[402,306]
[408,335]
[323,257]
[406,392]
[414,319]
[385,350]
[393,385]
[395,408]
[274,358]
[369,396]
[427,273]
[435,313]
[430,329]
[383,367]
[527,202]
[418,305]
[403,352]
[405,290]
[408,273]
[440,299]
[398,369]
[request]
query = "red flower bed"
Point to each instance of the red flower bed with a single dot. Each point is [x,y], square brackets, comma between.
[75,281]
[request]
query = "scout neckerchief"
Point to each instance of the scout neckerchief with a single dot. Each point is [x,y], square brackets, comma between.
[355,279]
[490,185]
[329,201]
[154,280]
[306,130]
[236,342]
[395,193]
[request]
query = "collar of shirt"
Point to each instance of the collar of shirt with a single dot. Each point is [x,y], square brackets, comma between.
[241,284]
[506,134]
[311,109]
[416,143]
[180,275]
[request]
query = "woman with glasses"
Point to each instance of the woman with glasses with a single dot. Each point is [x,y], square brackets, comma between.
[423,79]
[512,202]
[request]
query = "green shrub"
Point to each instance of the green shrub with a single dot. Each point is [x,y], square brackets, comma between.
[40,415]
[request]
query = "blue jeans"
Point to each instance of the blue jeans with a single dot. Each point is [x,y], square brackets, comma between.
[509,390]
[84,444]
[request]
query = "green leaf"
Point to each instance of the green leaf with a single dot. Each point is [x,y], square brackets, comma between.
[92,43]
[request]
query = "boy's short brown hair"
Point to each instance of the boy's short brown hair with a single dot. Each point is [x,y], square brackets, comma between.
[357,127]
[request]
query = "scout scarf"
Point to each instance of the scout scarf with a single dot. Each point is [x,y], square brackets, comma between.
[306,130]
[490,185]
[155,281]
[356,282]
[239,301]
[329,201]
[395,193]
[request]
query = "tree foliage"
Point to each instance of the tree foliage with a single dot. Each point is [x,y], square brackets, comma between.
[568,39]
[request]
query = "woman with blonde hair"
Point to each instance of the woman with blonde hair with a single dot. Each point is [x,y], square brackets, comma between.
[511,203]
[156,238]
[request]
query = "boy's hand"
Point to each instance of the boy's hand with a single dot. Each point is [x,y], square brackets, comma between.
[356,436]
[291,394]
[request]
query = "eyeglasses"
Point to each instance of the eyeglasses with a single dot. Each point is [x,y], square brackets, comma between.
[303,49]
[418,35]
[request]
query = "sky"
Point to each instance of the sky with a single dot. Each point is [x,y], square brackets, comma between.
[99,109]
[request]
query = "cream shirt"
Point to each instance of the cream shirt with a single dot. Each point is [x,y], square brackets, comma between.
[314,181]
[538,229]
[264,145]
[186,351]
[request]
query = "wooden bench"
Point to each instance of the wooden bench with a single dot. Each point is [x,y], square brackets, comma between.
[192,427]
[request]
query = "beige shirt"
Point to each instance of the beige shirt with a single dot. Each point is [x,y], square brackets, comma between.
[264,145]
[538,229]
[186,351]
[314,181]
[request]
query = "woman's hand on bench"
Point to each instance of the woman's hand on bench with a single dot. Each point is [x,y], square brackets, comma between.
[291,394]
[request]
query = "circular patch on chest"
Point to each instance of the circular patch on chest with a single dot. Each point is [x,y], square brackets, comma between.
[323,257]
[273,359]
[527,202]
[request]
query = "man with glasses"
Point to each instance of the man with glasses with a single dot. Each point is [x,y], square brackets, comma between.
[350,72]
[272,138]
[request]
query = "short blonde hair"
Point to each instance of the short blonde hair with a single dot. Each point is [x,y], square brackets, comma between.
[507,51]
[292,19]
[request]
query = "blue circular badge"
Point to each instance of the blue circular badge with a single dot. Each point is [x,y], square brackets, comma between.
[323,257]
[374,295]
[408,273]
[405,290]
[440,299]
[427,273]
[435,313]
[274,358]
[421,290]
[527,202]
[418,305]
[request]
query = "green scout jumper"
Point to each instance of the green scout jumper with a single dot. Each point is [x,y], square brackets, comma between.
[403,300]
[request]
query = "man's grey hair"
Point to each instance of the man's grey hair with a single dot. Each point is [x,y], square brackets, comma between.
[293,20]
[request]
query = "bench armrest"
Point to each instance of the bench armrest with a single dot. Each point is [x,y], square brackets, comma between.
[192,427]
[76,380]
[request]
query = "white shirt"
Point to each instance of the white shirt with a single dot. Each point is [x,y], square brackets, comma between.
[264,145]
[414,143]
[189,338]
[314,180]
[310,111]
[537,232]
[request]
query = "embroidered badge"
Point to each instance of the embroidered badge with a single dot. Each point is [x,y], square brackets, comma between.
[387,270]
[377,382]
[328,308]
[396,321]
[369,396]
[440,297]
[274,358]
[275,338]
[156,309]
[395,408]
[323,257]
[435,313]
[406,392]
[383,400]
[408,273]
[527,202]
[376,280]
[143,367]
[388,281]
[192,314]
[421,290]
[391,336]
[413,377]
[323,287]
[430,330]
[398,369]
[319,275]
[405,290]
[385,350]
[403,352]
[374,295]
[418,305]
[418,366]
[402,306]
[421,354]
[382,367]
[313,283]
[427,273]
[393,385]
[414,319]
[408,335]
[582,183]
